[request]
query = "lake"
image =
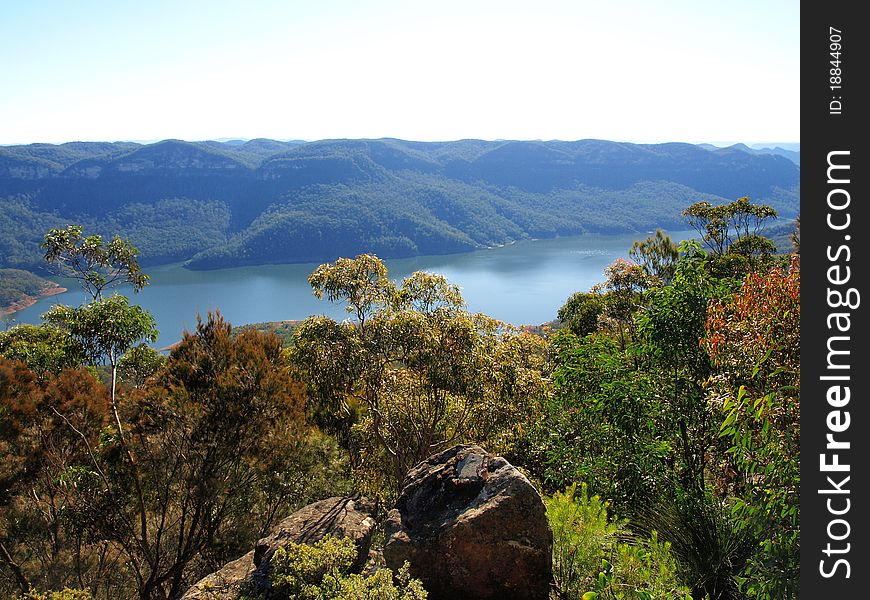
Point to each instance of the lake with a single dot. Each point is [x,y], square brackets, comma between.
[523,283]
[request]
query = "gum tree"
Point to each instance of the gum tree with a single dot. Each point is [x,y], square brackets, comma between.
[416,368]
[97,265]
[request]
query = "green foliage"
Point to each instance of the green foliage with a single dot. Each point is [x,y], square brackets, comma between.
[380,586]
[44,348]
[582,534]
[711,545]
[415,369]
[139,363]
[15,284]
[657,255]
[581,312]
[622,293]
[105,329]
[312,572]
[604,424]
[669,329]
[64,594]
[322,572]
[594,557]
[731,231]
[97,265]
[631,414]
[754,338]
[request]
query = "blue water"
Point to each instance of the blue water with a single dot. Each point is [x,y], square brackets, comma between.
[522,283]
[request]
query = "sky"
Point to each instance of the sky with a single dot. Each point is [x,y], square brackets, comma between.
[626,70]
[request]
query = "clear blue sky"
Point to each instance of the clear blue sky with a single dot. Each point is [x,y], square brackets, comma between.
[634,70]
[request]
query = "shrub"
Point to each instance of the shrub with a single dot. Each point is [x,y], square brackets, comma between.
[321,572]
[64,594]
[582,535]
[595,557]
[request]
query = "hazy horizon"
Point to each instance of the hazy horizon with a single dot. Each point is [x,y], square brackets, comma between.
[790,145]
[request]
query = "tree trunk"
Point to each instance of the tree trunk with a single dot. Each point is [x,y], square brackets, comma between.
[20,579]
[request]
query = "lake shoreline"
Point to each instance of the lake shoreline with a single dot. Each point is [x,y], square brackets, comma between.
[26,301]
[523,283]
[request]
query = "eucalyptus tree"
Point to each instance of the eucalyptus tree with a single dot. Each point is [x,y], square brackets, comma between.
[731,232]
[44,348]
[419,370]
[104,327]
[96,264]
[658,255]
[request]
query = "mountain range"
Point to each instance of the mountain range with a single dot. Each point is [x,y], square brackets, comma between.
[221,204]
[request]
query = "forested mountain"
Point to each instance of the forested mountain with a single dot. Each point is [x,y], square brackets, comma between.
[793,155]
[220,204]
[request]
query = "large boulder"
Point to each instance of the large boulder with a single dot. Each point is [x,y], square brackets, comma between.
[225,583]
[347,517]
[343,517]
[472,527]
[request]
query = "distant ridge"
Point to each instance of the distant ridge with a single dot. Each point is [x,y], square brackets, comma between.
[792,155]
[236,202]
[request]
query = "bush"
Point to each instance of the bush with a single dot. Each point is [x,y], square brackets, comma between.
[321,572]
[710,543]
[595,557]
[64,594]
[582,535]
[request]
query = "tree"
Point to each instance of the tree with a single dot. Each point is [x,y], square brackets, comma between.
[603,423]
[730,231]
[670,326]
[201,433]
[105,329]
[47,425]
[630,415]
[622,292]
[581,312]
[415,368]
[139,363]
[96,265]
[657,255]
[213,449]
[45,349]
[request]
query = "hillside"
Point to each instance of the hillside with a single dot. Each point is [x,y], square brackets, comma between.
[221,204]
[791,154]
[19,289]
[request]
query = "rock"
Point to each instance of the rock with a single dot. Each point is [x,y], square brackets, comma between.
[224,584]
[346,517]
[473,528]
[350,517]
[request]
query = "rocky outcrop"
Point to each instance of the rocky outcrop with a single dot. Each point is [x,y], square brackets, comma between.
[340,517]
[225,583]
[350,517]
[472,527]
